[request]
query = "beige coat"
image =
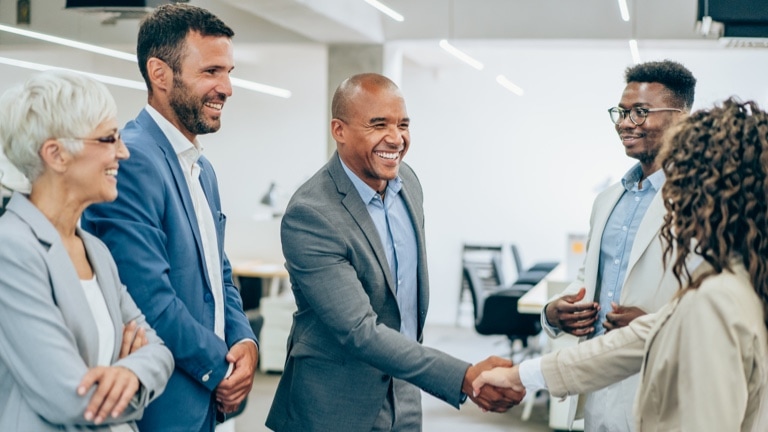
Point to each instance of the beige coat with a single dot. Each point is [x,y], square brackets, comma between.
[703,357]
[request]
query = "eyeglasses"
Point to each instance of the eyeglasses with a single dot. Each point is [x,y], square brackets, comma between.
[636,114]
[109,139]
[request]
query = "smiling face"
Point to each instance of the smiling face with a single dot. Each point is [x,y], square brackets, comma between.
[373,138]
[644,142]
[93,171]
[202,86]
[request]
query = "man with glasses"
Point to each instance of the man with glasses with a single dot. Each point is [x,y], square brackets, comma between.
[623,276]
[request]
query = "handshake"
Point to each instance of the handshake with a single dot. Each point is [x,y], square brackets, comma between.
[493,384]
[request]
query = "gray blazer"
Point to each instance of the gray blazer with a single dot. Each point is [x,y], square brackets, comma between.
[48,339]
[345,345]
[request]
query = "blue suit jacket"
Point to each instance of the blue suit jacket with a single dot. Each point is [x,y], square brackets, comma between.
[153,234]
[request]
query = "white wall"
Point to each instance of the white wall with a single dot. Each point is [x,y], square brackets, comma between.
[496,167]
[263,138]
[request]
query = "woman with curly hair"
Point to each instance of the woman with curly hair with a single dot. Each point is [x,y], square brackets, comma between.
[703,358]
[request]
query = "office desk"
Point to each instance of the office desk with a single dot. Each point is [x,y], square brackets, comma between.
[534,300]
[273,275]
[276,306]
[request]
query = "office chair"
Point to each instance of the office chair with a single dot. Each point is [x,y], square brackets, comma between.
[496,311]
[533,274]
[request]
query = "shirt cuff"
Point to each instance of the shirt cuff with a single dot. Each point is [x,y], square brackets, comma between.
[531,375]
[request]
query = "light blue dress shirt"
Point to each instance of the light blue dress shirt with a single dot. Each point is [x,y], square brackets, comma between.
[619,235]
[395,228]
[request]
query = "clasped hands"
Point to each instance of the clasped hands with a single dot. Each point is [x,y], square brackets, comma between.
[490,397]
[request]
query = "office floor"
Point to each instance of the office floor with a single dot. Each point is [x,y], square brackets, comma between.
[460,341]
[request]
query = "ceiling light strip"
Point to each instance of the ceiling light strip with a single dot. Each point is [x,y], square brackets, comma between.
[635,51]
[509,85]
[70,43]
[248,85]
[386,10]
[107,79]
[624,10]
[261,88]
[461,55]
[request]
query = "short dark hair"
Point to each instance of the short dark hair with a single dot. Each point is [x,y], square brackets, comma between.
[162,34]
[672,75]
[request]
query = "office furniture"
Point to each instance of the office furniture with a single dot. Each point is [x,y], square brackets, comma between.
[269,306]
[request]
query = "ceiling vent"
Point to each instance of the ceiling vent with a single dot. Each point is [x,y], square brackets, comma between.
[114,10]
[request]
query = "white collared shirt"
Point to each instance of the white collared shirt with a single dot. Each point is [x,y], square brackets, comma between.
[188,153]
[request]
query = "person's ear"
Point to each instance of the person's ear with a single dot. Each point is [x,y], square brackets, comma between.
[160,74]
[338,130]
[54,155]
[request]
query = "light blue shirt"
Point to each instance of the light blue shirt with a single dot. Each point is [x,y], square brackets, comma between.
[619,235]
[395,228]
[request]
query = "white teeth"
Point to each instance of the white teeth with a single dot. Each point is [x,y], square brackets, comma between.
[217,106]
[391,156]
[111,172]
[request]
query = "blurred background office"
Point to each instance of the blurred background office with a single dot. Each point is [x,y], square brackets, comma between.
[520,165]
[511,145]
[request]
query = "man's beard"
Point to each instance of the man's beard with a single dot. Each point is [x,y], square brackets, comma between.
[188,109]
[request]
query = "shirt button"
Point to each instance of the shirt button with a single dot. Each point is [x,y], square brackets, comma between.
[616,262]
[637,198]
[610,294]
[624,228]
[206,377]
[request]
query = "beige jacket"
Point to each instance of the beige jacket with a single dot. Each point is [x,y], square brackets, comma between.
[703,357]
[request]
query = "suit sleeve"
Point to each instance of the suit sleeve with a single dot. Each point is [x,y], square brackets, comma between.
[37,346]
[319,261]
[133,227]
[153,363]
[598,362]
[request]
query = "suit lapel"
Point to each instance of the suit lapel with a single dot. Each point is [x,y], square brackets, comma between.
[66,287]
[602,211]
[172,160]
[354,204]
[647,231]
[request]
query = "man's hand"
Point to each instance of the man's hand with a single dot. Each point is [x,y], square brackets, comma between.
[133,339]
[233,389]
[116,386]
[572,317]
[500,377]
[621,316]
[490,398]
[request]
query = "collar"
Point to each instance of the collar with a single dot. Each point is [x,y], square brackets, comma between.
[366,192]
[179,142]
[633,176]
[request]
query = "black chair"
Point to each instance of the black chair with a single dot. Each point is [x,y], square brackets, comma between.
[533,274]
[496,309]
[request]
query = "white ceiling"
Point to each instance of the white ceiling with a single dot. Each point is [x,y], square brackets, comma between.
[467,23]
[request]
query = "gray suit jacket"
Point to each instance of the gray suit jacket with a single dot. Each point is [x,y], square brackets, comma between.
[345,345]
[48,339]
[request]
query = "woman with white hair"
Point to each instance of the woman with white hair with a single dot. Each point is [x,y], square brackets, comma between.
[75,351]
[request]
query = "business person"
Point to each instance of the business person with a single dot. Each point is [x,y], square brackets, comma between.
[166,228]
[353,239]
[622,276]
[703,358]
[75,351]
